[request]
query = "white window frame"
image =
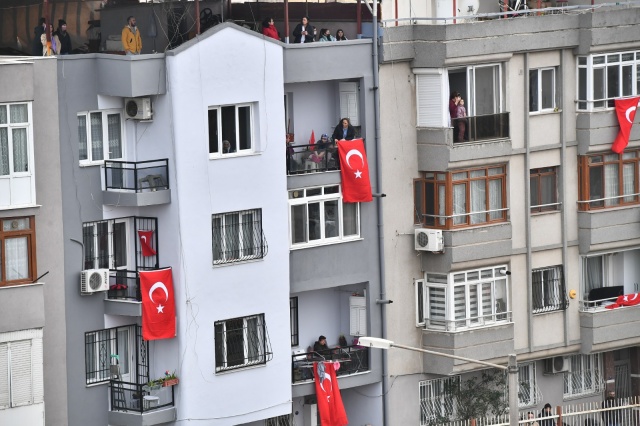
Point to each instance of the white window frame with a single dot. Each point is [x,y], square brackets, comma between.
[432,104]
[528,392]
[586,370]
[301,199]
[14,178]
[237,150]
[126,360]
[432,396]
[606,59]
[106,155]
[263,350]
[110,250]
[472,92]
[447,285]
[255,250]
[557,289]
[539,72]
[21,379]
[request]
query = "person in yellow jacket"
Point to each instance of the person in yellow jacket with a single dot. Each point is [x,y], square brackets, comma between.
[131,41]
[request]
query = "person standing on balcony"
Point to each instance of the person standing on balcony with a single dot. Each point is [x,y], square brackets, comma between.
[64,37]
[453,112]
[340,35]
[344,130]
[36,45]
[304,32]
[131,41]
[321,347]
[610,417]
[461,115]
[269,29]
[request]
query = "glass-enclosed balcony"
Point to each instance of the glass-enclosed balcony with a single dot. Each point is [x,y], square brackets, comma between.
[133,184]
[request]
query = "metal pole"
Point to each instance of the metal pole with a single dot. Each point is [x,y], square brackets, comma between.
[286,21]
[488,364]
[513,390]
[197,16]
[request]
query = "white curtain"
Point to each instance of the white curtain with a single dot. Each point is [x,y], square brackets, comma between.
[628,181]
[19,113]
[478,199]
[593,273]
[16,258]
[350,218]
[459,203]
[441,204]
[82,136]
[114,134]
[20,152]
[495,199]
[97,153]
[4,151]
[611,183]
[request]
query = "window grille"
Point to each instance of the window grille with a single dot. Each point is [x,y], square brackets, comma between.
[242,342]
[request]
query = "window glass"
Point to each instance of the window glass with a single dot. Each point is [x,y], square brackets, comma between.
[19,113]
[547,88]
[299,224]
[533,90]
[244,127]
[238,236]
[213,130]
[3,114]
[82,137]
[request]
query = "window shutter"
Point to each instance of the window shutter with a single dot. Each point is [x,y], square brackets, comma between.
[349,102]
[420,302]
[4,376]
[38,374]
[358,316]
[21,380]
[436,305]
[429,98]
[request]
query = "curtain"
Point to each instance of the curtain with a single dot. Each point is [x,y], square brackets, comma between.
[331,219]
[232,236]
[442,205]
[16,258]
[459,203]
[611,181]
[460,305]
[251,234]
[350,218]
[19,113]
[299,224]
[217,239]
[4,151]
[548,189]
[314,221]
[478,200]
[495,199]
[114,134]
[628,181]
[82,136]
[3,114]
[97,152]
[593,273]
[20,152]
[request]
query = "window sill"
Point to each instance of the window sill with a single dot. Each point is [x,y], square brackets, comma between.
[240,262]
[92,163]
[548,312]
[579,395]
[469,329]
[21,206]
[2,287]
[542,213]
[240,368]
[93,385]
[232,155]
[324,243]
[545,112]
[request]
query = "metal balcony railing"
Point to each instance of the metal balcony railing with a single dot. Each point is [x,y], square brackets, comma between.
[124,285]
[141,176]
[353,359]
[311,159]
[481,127]
[140,398]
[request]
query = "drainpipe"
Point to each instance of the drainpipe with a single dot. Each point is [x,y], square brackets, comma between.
[563,208]
[383,292]
[286,21]
[197,16]
[527,202]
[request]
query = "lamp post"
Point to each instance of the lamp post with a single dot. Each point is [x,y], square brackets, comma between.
[512,368]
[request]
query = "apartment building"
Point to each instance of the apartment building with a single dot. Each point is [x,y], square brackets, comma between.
[509,231]
[32,286]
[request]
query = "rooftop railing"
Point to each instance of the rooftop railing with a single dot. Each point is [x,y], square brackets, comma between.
[141,176]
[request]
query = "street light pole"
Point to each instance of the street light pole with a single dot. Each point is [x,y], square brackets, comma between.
[512,368]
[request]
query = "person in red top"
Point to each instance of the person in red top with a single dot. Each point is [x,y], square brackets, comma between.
[269,30]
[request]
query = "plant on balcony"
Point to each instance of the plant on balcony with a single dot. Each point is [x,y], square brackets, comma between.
[118,290]
[169,379]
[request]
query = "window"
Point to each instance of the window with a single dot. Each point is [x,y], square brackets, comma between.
[17,186]
[17,251]
[480,86]
[463,300]
[543,184]
[548,290]
[293,320]
[100,136]
[436,401]
[232,124]
[542,90]
[286,420]
[598,272]
[461,198]
[121,346]
[238,236]
[604,77]
[608,180]
[116,244]
[528,393]
[21,368]
[318,216]
[583,377]
[241,342]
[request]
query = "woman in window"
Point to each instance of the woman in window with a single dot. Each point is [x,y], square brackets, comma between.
[269,29]
[344,130]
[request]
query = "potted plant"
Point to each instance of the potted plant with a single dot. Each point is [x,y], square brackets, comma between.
[169,379]
[152,385]
[118,291]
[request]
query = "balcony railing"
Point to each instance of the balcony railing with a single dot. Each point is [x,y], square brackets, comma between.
[311,159]
[353,359]
[142,176]
[480,127]
[124,285]
[469,323]
[126,396]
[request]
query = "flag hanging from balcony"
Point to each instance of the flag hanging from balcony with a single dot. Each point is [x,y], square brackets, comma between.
[312,140]
[145,243]
[330,404]
[354,169]
[626,112]
[626,300]
[158,305]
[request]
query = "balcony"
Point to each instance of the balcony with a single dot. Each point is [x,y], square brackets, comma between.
[481,128]
[311,159]
[608,225]
[599,325]
[134,404]
[136,184]
[131,76]
[352,359]
[124,286]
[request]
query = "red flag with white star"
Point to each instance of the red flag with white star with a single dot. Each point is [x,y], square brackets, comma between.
[354,169]
[146,238]
[626,112]
[158,304]
[330,404]
[626,300]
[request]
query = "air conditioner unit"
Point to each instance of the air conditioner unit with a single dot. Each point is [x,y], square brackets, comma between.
[138,108]
[555,365]
[94,280]
[428,240]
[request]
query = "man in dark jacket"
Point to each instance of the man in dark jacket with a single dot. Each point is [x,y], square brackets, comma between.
[321,346]
[63,36]
[547,412]
[36,44]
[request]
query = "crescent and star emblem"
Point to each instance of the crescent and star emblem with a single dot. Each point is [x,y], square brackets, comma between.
[143,238]
[358,173]
[628,113]
[166,295]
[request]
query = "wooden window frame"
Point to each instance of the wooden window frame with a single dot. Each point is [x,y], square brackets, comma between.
[538,174]
[586,162]
[31,250]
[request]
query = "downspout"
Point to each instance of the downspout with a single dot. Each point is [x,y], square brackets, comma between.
[286,21]
[527,203]
[563,209]
[197,17]
[383,292]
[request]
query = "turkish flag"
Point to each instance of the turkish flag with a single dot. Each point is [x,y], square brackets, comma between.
[312,140]
[158,305]
[626,112]
[145,242]
[356,186]
[626,300]
[330,404]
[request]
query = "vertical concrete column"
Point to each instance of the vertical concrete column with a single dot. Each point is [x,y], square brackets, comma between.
[635,370]
[609,371]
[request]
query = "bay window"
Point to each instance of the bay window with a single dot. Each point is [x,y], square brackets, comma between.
[463,300]
[604,77]
[608,180]
[100,136]
[461,198]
